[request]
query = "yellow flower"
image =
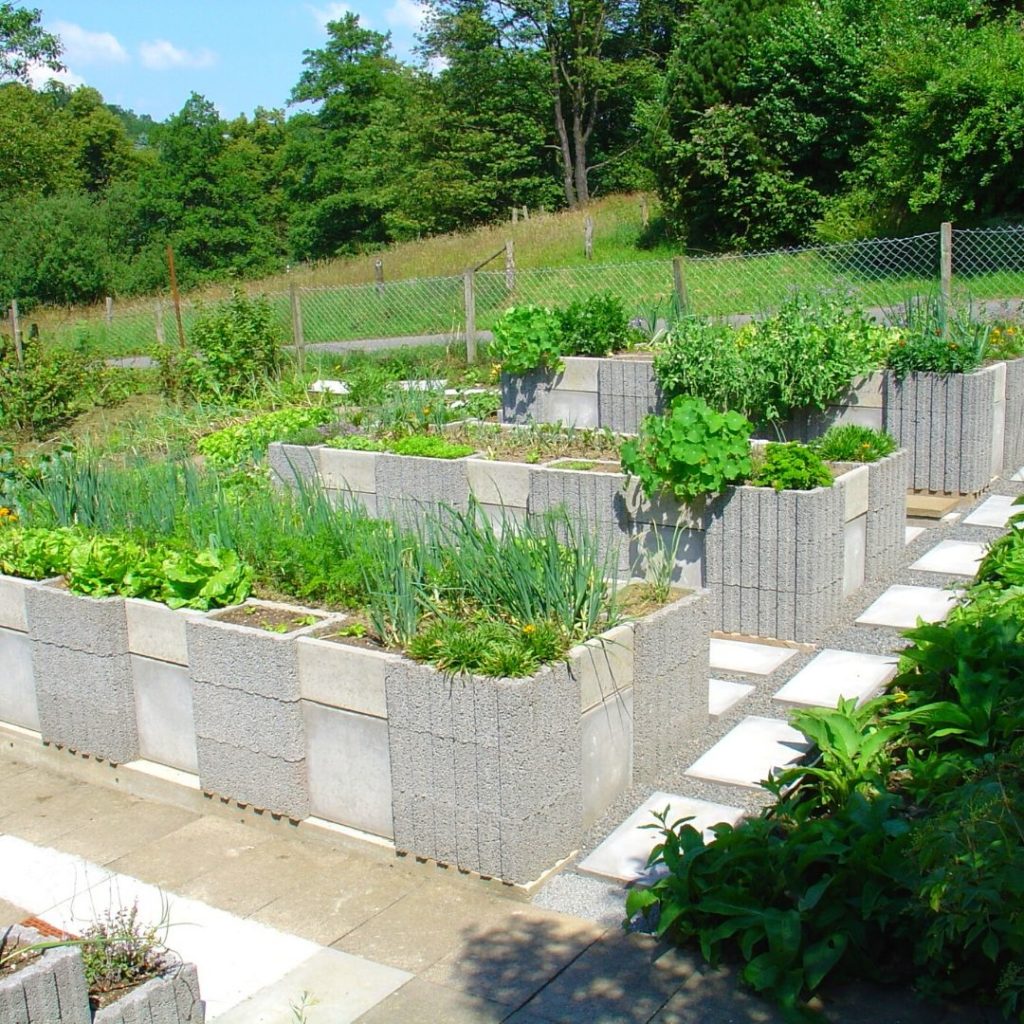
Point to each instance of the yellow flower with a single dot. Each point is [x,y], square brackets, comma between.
[529,628]
[8,514]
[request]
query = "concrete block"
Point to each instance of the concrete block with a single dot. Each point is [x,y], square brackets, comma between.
[290,463]
[267,783]
[262,725]
[342,470]
[580,374]
[343,676]
[607,754]
[91,625]
[573,408]
[524,399]
[603,666]
[655,542]
[1013,433]
[17,681]
[627,393]
[854,551]
[50,990]
[663,509]
[156,631]
[855,483]
[163,711]
[349,768]
[866,392]
[12,602]
[499,483]
[171,999]
[410,485]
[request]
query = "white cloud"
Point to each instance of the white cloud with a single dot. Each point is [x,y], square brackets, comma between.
[160,55]
[84,47]
[406,14]
[40,74]
[331,12]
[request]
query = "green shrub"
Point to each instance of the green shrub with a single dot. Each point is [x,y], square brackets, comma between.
[790,467]
[1005,341]
[853,443]
[233,351]
[248,441]
[595,326]
[691,451]
[933,339]
[527,338]
[702,358]
[48,390]
[357,443]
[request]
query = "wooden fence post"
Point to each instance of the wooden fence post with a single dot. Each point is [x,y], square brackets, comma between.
[946,271]
[378,274]
[679,283]
[109,310]
[588,237]
[645,213]
[175,296]
[510,265]
[298,337]
[469,281]
[526,212]
[515,214]
[16,330]
[158,316]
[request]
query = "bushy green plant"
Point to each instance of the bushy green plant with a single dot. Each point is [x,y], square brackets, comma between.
[935,339]
[702,358]
[595,326]
[853,443]
[357,443]
[790,466]
[119,950]
[48,390]
[690,452]
[244,442]
[234,351]
[527,338]
[429,446]
[1005,341]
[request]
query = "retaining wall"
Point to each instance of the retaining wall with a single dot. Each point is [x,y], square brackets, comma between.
[959,429]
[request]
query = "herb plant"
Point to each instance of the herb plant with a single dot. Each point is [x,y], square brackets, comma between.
[790,466]
[853,443]
[690,452]
[247,441]
[935,339]
[595,326]
[527,338]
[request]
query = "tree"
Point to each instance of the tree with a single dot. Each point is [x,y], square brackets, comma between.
[23,42]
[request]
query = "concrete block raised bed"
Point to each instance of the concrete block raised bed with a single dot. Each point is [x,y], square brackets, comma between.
[82,671]
[52,990]
[1013,433]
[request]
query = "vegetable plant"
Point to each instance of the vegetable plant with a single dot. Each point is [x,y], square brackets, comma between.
[527,338]
[853,443]
[790,466]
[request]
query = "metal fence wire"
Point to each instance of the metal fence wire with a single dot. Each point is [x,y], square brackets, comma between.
[987,264]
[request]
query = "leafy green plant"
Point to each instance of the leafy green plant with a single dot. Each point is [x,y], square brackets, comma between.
[1005,341]
[527,338]
[48,390]
[243,442]
[853,443]
[935,339]
[357,443]
[595,326]
[119,951]
[790,466]
[691,451]
[429,446]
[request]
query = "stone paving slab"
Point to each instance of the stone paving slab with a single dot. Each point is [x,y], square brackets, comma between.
[912,533]
[724,695]
[751,752]
[952,558]
[994,511]
[834,675]
[11,914]
[741,656]
[901,606]
[421,1002]
[623,855]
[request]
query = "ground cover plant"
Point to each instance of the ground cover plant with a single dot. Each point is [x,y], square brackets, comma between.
[850,442]
[898,854]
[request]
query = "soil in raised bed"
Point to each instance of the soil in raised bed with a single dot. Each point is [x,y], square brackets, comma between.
[637,599]
[355,631]
[14,957]
[273,620]
[585,466]
[540,443]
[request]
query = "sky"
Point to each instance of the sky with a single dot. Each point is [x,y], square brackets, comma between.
[149,55]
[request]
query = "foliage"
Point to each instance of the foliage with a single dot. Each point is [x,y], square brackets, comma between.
[934,339]
[527,338]
[429,446]
[595,326]
[1005,341]
[24,42]
[247,441]
[234,351]
[850,442]
[804,356]
[790,467]
[692,451]
[119,950]
[357,443]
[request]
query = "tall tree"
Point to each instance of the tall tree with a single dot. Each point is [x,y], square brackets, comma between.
[23,42]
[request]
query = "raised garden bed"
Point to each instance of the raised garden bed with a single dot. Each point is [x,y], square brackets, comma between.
[960,430]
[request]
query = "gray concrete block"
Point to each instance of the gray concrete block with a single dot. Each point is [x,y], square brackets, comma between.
[12,602]
[91,625]
[1013,431]
[627,392]
[86,702]
[156,631]
[607,750]
[505,484]
[163,712]
[524,399]
[50,990]
[854,554]
[343,470]
[267,783]
[291,463]
[409,486]
[17,681]
[349,768]
[262,725]
[171,999]
[343,676]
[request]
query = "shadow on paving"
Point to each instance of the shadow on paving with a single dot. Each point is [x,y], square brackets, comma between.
[530,968]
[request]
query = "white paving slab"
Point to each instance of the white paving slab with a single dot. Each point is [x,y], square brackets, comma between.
[994,511]
[901,606]
[330,387]
[833,675]
[723,695]
[913,532]
[753,659]
[622,857]
[1018,477]
[235,957]
[953,557]
[751,752]
[951,517]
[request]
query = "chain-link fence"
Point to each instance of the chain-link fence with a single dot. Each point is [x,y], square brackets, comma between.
[876,274]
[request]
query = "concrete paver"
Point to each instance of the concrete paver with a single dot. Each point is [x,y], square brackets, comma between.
[11,914]
[426,1003]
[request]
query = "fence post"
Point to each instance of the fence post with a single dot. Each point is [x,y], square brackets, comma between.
[946,270]
[175,296]
[645,213]
[515,214]
[510,265]
[526,212]
[588,237]
[679,283]
[298,337]
[110,310]
[378,274]
[16,330]
[469,281]
[158,314]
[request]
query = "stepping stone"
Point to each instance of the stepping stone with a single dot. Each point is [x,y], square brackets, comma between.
[833,675]
[622,857]
[994,511]
[901,606]
[754,750]
[956,557]
[913,532]
[1018,477]
[329,387]
[723,695]
[741,656]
